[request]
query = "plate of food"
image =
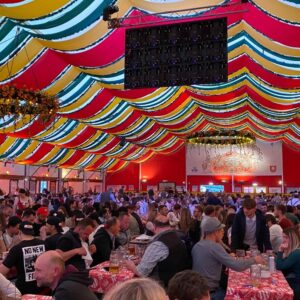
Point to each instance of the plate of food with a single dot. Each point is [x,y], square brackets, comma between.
[143,237]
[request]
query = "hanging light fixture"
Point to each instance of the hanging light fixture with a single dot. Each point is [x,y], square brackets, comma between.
[221,138]
[18,103]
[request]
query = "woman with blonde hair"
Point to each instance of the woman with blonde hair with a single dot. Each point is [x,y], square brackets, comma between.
[288,258]
[137,289]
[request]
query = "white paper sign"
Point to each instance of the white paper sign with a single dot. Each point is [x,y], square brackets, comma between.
[264,159]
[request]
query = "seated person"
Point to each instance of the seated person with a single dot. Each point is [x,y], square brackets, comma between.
[65,285]
[22,257]
[165,256]
[124,235]
[51,232]
[105,241]
[41,216]
[288,259]
[11,234]
[28,215]
[209,255]
[137,289]
[188,285]
[7,289]
[275,232]
[70,246]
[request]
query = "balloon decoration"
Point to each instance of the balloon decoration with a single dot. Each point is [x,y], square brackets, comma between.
[99,125]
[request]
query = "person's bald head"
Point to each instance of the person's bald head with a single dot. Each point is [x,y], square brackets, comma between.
[49,268]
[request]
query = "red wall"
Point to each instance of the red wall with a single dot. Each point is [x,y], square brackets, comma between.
[291,167]
[239,181]
[160,168]
[172,168]
[127,176]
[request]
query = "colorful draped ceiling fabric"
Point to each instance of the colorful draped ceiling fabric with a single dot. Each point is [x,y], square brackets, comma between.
[66,49]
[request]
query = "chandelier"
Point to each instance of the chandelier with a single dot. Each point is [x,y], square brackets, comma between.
[18,102]
[221,138]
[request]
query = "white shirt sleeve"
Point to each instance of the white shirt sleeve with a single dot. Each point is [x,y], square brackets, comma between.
[173,220]
[8,289]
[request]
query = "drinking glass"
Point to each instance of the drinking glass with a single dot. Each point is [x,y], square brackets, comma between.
[131,249]
[255,274]
[265,256]
[114,264]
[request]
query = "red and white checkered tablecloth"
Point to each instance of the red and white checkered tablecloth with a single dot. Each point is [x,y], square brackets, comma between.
[36,297]
[103,280]
[240,288]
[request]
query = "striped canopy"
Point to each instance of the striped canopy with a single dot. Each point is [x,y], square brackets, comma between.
[66,49]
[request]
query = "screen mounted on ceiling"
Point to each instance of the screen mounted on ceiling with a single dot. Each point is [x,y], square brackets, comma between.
[177,54]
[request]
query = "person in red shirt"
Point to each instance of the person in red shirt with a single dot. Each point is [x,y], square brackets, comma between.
[284,222]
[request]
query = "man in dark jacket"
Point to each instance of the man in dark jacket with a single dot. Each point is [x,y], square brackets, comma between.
[65,285]
[70,246]
[249,229]
[105,241]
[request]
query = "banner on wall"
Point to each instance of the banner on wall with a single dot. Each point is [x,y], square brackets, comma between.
[264,159]
[274,190]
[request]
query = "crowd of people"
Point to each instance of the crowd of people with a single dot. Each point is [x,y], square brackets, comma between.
[49,242]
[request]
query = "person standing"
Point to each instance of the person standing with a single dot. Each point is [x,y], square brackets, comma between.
[249,228]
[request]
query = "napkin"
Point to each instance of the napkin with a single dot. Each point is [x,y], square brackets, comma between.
[87,258]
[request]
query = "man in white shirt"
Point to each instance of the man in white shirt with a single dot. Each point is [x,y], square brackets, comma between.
[10,236]
[294,201]
[174,216]
[275,232]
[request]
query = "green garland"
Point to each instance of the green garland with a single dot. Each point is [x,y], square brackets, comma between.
[222,138]
[21,101]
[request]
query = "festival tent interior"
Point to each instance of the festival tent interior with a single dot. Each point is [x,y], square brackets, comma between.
[138,137]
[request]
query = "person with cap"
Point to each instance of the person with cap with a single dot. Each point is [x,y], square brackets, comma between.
[77,216]
[11,235]
[70,244]
[41,216]
[209,256]
[53,230]
[22,257]
[62,218]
